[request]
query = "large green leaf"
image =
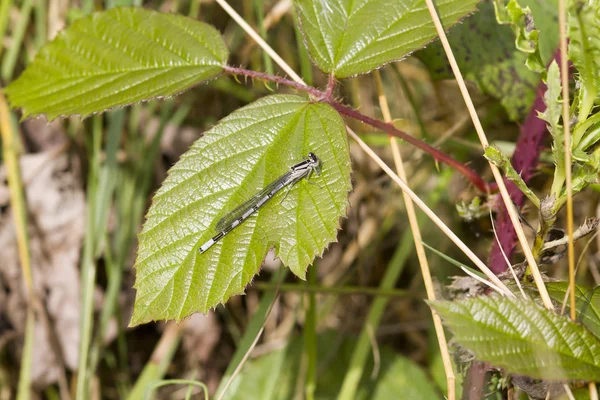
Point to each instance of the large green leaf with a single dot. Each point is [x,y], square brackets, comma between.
[587,302]
[495,65]
[115,58]
[350,37]
[523,338]
[239,156]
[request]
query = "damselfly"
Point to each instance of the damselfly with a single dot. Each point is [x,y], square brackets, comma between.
[303,169]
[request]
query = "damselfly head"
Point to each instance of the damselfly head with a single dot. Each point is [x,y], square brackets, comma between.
[315,162]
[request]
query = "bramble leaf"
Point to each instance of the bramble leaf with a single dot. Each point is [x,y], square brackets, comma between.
[241,155]
[116,58]
[587,303]
[347,38]
[495,66]
[523,338]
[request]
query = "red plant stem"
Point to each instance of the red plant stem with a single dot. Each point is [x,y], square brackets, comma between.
[326,97]
[468,173]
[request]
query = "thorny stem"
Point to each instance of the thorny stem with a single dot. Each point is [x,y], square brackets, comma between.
[273,78]
[471,175]
[327,98]
[330,87]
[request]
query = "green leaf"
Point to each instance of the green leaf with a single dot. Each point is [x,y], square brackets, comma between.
[403,379]
[587,303]
[115,58]
[347,37]
[233,161]
[584,51]
[495,66]
[552,115]
[274,376]
[523,338]
[553,101]
[501,161]
[526,36]
[545,16]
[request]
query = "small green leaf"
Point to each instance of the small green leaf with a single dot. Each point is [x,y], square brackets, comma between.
[545,16]
[587,302]
[553,101]
[501,161]
[552,115]
[233,161]
[526,36]
[523,338]
[347,37]
[495,66]
[584,51]
[115,58]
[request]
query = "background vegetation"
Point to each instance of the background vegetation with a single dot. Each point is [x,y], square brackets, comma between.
[77,192]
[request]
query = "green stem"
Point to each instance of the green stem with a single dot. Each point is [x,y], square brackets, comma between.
[411,100]
[260,22]
[10,59]
[41,27]
[310,338]
[5,6]
[88,266]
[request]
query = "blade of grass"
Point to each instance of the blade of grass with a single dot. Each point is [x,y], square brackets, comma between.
[194,9]
[411,100]
[41,24]
[10,58]
[101,186]
[5,6]
[254,328]
[10,150]
[24,387]
[310,337]
[259,7]
[88,266]
[160,360]
[305,64]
